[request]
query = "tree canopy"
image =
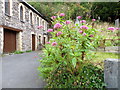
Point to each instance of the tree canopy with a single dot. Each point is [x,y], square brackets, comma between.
[107,11]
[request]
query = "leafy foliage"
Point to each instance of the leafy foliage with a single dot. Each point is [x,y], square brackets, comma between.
[108,11]
[67,56]
[89,77]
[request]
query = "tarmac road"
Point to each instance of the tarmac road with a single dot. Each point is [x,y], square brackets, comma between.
[20,71]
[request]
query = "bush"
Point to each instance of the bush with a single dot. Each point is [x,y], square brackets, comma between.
[67,56]
[89,77]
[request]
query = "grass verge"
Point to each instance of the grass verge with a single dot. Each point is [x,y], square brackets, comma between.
[101,56]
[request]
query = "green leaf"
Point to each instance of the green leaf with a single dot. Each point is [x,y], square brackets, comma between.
[74,61]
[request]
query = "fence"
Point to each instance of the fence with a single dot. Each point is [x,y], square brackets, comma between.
[108,42]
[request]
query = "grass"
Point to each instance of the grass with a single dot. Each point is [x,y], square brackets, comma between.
[20,52]
[101,56]
[16,52]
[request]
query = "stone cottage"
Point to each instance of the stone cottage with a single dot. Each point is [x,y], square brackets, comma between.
[18,27]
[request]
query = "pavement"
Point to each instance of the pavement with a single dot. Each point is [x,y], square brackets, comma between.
[20,71]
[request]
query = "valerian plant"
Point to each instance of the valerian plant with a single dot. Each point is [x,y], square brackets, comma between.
[67,55]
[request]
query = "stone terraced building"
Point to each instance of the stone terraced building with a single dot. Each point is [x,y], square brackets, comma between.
[19,23]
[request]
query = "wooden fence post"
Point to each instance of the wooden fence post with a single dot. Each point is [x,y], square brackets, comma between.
[104,44]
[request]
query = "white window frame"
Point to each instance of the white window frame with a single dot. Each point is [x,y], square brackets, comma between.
[23,11]
[43,24]
[11,6]
[32,17]
[37,21]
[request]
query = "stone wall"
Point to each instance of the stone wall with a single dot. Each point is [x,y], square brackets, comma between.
[24,38]
[112,73]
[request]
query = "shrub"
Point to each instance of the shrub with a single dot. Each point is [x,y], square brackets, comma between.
[89,77]
[18,52]
[67,56]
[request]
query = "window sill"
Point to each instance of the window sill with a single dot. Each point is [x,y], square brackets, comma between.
[7,14]
[22,21]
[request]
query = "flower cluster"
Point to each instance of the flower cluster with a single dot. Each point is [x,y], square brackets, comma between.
[67,22]
[53,17]
[82,21]
[79,17]
[54,43]
[57,26]
[93,20]
[84,27]
[40,27]
[62,14]
[59,33]
[111,28]
[50,30]
[81,31]
[47,42]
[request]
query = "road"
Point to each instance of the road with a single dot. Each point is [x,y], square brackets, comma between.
[20,71]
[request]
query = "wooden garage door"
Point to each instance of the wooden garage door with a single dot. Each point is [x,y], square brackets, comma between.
[9,41]
[33,42]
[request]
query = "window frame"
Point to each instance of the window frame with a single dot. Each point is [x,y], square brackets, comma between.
[31,18]
[21,13]
[7,9]
[43,24]
[37,21]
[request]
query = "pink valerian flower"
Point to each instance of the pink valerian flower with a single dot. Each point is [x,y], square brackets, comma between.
[81,31]
[117,28]
[40,27]
[93,20]
[91,35]
[82,21]
[54,43]
[53,17]
[59,33]
[62,14]
[84,27]
[67,22]
[79,17]
[84,34]
[50,30]
[111,28]
[47,42]
[57,25]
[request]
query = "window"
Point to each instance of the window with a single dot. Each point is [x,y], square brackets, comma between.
[39,40]
[43,24]
[37,21]
[7,7]
[40,21]
[21,13]
[44,40]
[31,18]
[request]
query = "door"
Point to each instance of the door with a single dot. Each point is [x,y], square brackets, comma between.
[33,42]
[9,41]
[44,40]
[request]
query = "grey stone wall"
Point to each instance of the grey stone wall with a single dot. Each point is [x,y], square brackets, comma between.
[112,73]
[13,21]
